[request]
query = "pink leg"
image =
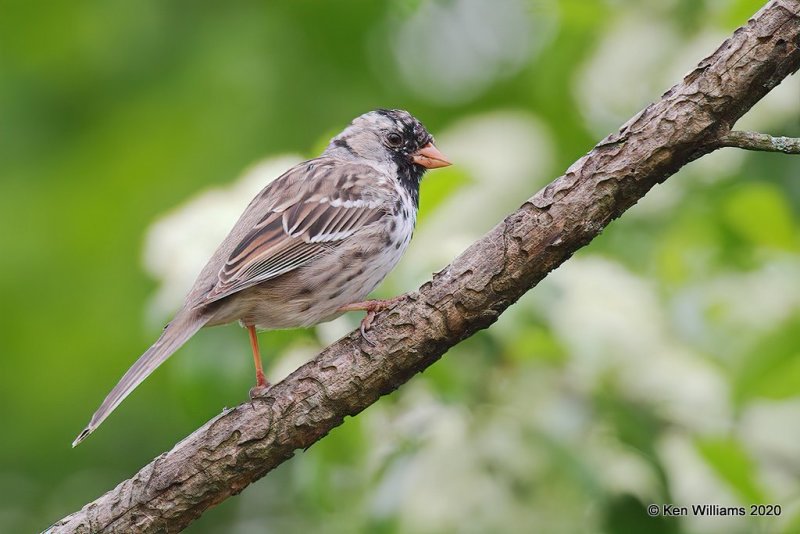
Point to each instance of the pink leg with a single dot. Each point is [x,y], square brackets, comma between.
[372,307]
[261,382]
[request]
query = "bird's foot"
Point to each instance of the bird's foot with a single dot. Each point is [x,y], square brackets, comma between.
[372,307]
[259,391]
[261,387]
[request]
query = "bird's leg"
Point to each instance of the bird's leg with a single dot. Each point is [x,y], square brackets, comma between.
[372,307]
[261,383]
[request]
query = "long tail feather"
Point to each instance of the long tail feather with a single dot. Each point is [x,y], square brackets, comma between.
[175,334]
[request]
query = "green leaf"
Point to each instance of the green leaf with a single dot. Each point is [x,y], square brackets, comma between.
[731,462]
[758,213]
[772,368]
[625,514]
[536,343]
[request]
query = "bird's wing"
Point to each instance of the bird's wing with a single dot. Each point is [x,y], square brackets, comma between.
[303,214]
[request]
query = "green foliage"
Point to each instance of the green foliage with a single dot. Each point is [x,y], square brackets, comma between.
[759,214]
[733,465]
[771,369]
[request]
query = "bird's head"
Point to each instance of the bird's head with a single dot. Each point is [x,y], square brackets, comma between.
[386,136]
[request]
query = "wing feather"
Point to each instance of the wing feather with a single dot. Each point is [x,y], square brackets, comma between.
[308,214]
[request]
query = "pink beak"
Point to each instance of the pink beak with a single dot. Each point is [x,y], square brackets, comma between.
[430,157]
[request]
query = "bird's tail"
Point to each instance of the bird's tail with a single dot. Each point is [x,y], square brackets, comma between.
[177,332]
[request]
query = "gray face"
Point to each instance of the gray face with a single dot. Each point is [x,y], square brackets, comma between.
[381,136]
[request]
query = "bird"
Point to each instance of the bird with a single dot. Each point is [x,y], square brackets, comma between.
[309,247]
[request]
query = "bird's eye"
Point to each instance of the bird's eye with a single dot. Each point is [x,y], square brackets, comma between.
[394,139]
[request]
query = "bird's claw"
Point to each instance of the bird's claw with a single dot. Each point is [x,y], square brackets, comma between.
[366,324]
[372,307]
[259,390]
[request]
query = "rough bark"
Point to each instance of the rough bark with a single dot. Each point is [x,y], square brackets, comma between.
[244,443]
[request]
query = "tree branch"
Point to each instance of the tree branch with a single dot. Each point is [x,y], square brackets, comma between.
[244,443]
[761,142]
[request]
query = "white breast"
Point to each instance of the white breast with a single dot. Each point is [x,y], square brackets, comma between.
[398,237]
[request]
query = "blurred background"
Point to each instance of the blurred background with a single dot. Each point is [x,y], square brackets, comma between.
[661,364]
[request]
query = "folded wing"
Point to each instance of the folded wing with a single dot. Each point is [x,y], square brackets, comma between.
[308,212]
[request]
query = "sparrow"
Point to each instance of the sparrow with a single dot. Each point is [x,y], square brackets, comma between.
[309,247]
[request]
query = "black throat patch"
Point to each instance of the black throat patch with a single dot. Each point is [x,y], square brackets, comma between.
[410,175]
